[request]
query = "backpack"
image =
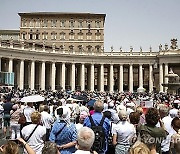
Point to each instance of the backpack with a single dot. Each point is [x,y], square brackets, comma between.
[99,141]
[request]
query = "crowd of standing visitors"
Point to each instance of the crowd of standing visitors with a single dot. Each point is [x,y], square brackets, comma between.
[84,122]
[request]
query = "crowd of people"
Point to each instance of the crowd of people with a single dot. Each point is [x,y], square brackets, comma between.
[84,122]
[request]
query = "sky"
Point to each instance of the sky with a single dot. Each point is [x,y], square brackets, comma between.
[128,23]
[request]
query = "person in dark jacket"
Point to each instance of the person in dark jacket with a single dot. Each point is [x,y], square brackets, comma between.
[7,108]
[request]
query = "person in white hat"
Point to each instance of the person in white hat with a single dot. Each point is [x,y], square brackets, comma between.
[64,133]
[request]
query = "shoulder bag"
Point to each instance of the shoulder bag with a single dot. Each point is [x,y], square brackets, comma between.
[31,134]
[59,132]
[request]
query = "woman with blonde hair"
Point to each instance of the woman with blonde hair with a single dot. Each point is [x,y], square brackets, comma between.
[123,133]
[34,134]
[141,148]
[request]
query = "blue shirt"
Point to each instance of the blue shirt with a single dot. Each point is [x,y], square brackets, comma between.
[68,134]
[97,116]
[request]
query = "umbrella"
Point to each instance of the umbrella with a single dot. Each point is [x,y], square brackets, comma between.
[177,101]
[80,98]
[91,102]
[33,98]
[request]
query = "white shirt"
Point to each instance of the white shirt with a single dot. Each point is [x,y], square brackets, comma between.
[167,124]
[46,119]
[27,112]
[1,111]
[36,140]
[78,126]
[124,131]
[82,152]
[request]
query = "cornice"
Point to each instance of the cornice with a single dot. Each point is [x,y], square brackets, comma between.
[84,58]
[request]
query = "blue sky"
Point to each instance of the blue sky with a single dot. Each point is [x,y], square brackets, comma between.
[128,23]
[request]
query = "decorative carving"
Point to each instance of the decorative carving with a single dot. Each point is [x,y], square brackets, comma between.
[44,45]
[174,44]
[131,49]
[33,45]
[155,65]
[120,49]
[53,46]
[160,47]
[150,49]
[112,49]
[11,42]
[22,43]
[0,41]
[166,46]
[140,49]
[102,48]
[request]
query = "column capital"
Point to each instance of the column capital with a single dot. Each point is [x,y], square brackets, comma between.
[21,59]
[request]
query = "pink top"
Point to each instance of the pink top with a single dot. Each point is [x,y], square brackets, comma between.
[91,112]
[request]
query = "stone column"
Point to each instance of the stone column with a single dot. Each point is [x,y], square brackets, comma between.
[102,78]
[131,78]
[82,77]
[140,76]
[21,77]
[0,63]
[150,78]
[32,76]
[53,76]
[166,79]
[111,79]
[161,76]
[63,75]
[72,80]
[43,76]
[10,69]
[92,78]
[121,78]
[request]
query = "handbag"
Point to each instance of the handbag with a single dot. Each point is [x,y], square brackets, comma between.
[22,119]
[111,147]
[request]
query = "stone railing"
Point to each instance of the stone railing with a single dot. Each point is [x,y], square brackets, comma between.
[32,46]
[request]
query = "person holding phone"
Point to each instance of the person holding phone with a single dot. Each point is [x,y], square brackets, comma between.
[12,147]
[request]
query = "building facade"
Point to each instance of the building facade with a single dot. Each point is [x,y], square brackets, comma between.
[65,31]
[10,34]
[38,65]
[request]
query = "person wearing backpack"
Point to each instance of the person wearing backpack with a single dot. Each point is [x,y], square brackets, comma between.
[101,127]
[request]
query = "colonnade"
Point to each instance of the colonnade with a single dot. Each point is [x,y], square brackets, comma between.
[60,73]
